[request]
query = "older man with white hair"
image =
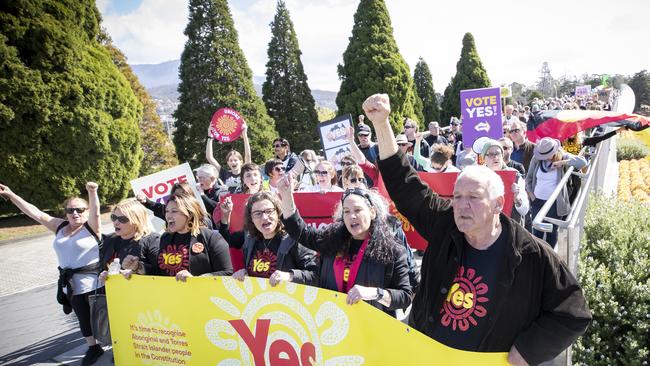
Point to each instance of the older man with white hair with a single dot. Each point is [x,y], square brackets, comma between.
[487,284]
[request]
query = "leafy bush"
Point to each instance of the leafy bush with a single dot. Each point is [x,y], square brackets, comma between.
[629,149]
[615,276]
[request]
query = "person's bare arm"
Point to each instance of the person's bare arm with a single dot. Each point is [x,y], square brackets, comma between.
[30,210]
[377,109]
[247,144]
[93,209]
[209,155]
[357,154]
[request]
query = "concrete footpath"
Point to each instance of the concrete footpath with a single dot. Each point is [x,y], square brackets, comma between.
[33,328]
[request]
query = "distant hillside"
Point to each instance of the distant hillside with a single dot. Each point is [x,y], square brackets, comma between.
[161,80]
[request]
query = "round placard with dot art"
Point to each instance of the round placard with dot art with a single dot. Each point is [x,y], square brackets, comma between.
[226,125]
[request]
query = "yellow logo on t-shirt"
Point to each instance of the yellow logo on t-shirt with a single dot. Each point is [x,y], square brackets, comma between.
[260,265]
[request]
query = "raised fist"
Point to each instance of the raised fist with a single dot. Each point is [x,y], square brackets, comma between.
[91,186]
[377,108]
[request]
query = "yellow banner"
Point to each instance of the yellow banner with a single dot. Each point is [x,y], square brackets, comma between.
[220,321]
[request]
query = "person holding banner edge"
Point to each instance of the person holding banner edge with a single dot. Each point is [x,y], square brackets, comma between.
[77,250]
[359,255]
[269,252]
[487,285]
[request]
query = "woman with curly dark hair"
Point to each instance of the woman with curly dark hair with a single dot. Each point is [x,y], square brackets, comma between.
[359,253]
[268,251]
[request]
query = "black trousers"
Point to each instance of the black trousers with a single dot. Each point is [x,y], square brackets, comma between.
[81,306]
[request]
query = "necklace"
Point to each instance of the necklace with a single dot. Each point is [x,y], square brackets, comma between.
[266,244]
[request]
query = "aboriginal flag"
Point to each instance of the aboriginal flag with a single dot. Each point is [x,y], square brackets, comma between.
[563,124]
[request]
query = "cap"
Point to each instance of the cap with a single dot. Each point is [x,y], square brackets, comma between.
[364,130]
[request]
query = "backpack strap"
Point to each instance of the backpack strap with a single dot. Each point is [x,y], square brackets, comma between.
[92,232]
[61,226]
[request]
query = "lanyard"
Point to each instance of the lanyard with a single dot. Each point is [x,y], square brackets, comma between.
[345,272]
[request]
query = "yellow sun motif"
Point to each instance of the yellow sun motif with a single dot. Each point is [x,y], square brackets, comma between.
[318,321]
[226,125]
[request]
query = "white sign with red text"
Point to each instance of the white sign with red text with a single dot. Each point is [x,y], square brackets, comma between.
[157,187]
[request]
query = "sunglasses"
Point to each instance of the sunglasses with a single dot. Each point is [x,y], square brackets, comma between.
[284,144]
[279,169]
[516,130]
[321,172]
[405,144]
[120,219]
[407,127]
[71,210]
[360,180]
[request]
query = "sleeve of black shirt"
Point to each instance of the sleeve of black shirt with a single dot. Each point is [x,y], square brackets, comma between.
[219,255]
[157,208]
[301,232]
[421,206]
[210,205]
[149,247]
[234,240]
[400,284]
[307,266]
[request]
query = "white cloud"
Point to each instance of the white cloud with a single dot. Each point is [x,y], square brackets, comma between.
[513,37]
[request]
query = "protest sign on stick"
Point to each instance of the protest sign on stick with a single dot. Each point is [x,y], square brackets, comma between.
[333,138]
[226,125]
[481,111]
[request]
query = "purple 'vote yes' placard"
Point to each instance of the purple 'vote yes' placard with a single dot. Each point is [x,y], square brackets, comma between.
[481,111]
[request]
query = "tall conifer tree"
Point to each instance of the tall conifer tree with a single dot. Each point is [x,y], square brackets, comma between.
[285,92]
[424,88]
[214,74]
[159,151]
[470,74]
[67,114]
[372,64]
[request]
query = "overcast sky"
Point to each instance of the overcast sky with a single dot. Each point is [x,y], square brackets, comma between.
[513,38]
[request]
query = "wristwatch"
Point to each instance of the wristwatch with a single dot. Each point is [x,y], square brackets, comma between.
[380,294]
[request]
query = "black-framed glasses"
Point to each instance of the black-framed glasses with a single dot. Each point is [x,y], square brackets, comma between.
[279,168]
[71,210]
[258,214]
[120,219]
[405,127]
[321,172]
[346,163]
[281,144]
[515,130]
[355,180]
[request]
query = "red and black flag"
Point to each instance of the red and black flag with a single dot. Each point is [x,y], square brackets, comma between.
[563,124]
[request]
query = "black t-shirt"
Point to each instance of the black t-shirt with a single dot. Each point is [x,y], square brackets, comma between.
[176,256]
[230,180]
[432,140]
[468,306]
[265,258]
[424,148]
[116,247]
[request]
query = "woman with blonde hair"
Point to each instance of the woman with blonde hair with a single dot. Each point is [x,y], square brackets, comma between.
[326,179]
[188,248]
[131,240]
[77,250]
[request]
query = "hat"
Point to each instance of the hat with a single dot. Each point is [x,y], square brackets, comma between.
[489,144]
[455,121]
[401,139]
[364,129]
[535,108]
[546,148]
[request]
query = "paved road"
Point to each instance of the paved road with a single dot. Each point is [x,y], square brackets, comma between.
[33,329]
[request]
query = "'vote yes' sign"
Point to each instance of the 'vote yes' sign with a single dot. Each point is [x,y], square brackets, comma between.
[481,111]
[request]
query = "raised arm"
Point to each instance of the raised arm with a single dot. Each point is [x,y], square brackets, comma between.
[247,144]
[357,154]
[209,156]
[94,219]
[293,223]
[30,210]
[377,108]
[417,154]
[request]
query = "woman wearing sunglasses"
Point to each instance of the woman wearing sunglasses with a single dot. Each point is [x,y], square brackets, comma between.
[268,251]
[77,250]
[188,248]
[131,241]
[359,254]
[326,179]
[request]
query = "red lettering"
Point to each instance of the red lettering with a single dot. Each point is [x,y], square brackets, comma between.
[171,182]
[182,178]
[308,354]
[257,343]
[160,188]
[148,193]
[282,348]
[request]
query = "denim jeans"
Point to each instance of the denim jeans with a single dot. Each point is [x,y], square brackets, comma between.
[550,237]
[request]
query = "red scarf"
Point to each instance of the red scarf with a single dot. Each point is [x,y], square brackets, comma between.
[343,265]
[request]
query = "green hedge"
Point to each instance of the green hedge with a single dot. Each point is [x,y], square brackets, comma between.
[615,275]
[629,149]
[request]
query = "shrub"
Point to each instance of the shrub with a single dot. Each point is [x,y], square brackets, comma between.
[615,276]
[629,149]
